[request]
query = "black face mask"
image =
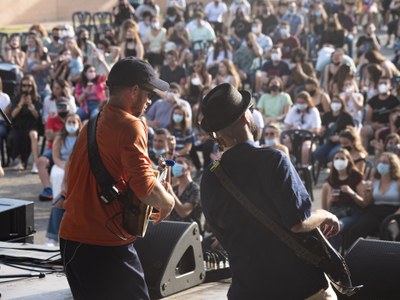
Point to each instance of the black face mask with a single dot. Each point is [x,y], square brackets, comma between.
[274,88]
[56,38]
[129,40]
[312,92]
[62,114]
[348,148]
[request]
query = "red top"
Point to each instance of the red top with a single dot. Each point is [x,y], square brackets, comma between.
[56,124]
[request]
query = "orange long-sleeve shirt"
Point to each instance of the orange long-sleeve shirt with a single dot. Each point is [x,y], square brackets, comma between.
[122,143]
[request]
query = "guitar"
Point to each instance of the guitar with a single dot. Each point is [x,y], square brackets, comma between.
[136,214]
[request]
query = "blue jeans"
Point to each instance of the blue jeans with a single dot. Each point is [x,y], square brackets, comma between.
[325,153]
[92,109]
[347,217]
[3,129]
[53,227]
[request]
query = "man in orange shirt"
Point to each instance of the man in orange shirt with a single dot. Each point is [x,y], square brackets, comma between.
[98,254]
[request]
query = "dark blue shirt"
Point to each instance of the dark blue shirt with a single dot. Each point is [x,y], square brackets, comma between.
[262,266]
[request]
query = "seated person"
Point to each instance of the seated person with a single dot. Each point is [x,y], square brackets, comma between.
[350,140]
[383,193]
[343,193]
[320,98]
[45,161]
[275,103]
[179,127]
[378,111]
[333,122]
[63,145]
[186,194]
[271,139]
[160,113]
[391,144]
[304,115]
[163,146]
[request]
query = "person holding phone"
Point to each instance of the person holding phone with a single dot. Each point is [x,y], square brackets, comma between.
[90,91]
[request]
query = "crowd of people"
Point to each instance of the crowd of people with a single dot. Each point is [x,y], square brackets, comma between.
[310,65]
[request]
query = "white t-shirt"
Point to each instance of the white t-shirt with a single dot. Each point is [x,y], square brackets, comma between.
[50,108]
[215,13]
[4,102]
[304,120]
[156,43]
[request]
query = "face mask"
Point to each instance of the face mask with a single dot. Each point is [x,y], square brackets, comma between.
[177,118]
[270,142]
[335,106]
[32,49]
[383,88]
[155,25]
[318,13]
[171,18]
[255,29]
[62,114]
[340,164]
[302,106]
[274,88]
[348,90]
[283,32]
[72,128]
[383,168]
[91,75]
[56,38]
[312,92]
[275,57]
[178,169]
[129,40]
[158,152]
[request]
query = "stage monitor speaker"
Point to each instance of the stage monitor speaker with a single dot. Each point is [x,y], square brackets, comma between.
[376,265]
[172,257]
[16,219]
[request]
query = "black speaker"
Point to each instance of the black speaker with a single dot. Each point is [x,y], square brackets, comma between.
[16,219]
[172,257]
[376,265]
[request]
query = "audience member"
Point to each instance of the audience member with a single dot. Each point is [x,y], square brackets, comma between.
[272,139]
[343,194]
[350,140]
[383,193]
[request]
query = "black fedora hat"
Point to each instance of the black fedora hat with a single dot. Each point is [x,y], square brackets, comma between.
[222,106]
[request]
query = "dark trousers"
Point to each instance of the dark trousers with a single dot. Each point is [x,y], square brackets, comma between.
[103,272]
[369,223]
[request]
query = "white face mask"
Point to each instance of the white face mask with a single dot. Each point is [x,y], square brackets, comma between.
[284,32]
[348,90]
[255,29]
[71,128]
[340,164]
[335,106]
[301,106]
[276,57]
[383,88]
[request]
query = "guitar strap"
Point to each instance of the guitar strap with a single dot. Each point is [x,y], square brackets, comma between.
[103,177]
[273,227]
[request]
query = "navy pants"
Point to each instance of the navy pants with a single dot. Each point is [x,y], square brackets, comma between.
[103,272]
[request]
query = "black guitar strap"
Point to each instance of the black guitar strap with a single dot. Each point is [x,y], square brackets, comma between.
[109,192]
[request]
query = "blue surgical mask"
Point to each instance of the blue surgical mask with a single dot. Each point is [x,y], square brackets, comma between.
[383,168]
[177,170]
[177,118]
[270,142]
[159,152]
[32,49]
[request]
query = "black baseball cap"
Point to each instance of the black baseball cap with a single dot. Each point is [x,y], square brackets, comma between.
[130,71]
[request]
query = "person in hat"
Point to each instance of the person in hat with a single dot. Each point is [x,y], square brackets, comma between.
[99,258]
[261,264]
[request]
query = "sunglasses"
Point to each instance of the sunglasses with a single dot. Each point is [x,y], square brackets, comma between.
[61,106]
[150,93]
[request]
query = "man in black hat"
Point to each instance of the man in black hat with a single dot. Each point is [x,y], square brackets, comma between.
[98,254]
[262,266]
